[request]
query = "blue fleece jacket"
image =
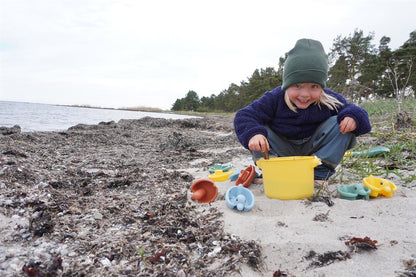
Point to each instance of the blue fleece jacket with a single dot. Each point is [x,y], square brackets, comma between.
[271,110]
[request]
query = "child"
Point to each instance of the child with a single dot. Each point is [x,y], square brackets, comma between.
[302,117]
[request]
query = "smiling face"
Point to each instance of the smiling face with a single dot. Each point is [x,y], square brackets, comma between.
[304,94]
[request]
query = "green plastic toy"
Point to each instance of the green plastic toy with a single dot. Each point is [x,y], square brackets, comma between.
[222,167]
[370,153]
[354,192]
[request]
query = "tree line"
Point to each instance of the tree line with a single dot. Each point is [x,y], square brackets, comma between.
[358,69]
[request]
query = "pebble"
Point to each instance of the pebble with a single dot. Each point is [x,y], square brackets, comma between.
[181,273]
[98,216]
[35,214]
[215,251]
[15,265]
[92,170]
[42,185]
[105,262]
[15,217]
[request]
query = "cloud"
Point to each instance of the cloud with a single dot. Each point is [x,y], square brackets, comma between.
[149,53]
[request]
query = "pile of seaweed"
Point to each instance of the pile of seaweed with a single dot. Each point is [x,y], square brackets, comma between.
[112,199]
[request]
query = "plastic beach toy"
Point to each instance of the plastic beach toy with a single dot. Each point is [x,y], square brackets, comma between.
[379,186]
[222,167]
[370,153]
[288,178]
[204,191]
[220,175]
[240,198]
[246,176]
[354,192]
[234,176]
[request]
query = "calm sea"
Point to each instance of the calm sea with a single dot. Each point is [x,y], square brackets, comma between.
[43,117]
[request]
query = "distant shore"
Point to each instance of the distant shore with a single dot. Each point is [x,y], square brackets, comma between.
[156,110]
[137,109]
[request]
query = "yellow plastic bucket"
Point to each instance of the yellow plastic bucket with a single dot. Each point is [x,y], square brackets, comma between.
[288,177]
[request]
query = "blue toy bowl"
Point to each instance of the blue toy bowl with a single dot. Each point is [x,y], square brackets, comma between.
[234,176]
[240,198]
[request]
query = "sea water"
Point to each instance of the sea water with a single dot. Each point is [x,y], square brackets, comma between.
[45,117]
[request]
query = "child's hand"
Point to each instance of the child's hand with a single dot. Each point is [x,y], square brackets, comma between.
[348,124]
[259,143]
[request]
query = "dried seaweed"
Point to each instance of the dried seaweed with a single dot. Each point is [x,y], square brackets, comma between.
[365,244]
[279,273]
[325,199]
[410,269]
[355,244]
[321,217]
[319,260]
[36,270]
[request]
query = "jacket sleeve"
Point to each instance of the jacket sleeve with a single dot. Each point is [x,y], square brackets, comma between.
[250,121]
[359,115]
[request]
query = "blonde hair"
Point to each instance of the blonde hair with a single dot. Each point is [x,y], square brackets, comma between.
[325,99]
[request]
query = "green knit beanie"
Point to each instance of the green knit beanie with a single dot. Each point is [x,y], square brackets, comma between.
[306,63]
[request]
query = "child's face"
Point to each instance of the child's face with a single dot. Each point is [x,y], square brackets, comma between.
[304,94]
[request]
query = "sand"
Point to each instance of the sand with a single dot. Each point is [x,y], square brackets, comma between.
[288,230]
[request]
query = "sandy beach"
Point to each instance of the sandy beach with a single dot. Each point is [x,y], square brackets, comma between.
[113,199]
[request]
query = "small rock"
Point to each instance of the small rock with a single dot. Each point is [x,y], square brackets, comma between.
[98,216]
[215,251]
[36,214]
[105,262]
[15,217]
[9,131]
[181,273]
[42,185]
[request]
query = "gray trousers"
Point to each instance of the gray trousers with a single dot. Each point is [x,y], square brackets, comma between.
[327,143]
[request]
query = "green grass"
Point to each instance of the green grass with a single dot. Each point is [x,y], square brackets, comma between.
[383,111]
[381,106]
[142,109]
[229,114]
[401,140]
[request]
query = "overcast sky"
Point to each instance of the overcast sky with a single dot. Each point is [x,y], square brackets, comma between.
[131,53]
